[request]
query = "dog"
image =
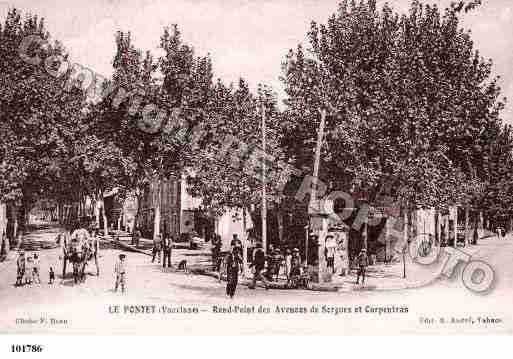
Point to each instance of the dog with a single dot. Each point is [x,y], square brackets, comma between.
[183,265]
[51,275]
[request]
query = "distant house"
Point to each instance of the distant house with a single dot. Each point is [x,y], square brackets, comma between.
[168,193]
[182,213]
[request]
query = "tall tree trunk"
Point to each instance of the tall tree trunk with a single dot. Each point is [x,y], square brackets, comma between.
[139,198]
[3,227]
[244,242]
[467,237]
[456,227]
[475,234]
[280,223]
[437,226]
[7,244]
[104,216]
[96,210]
[158,204]
[406,230]
[66,214]
[119,220]
[81,206]
[447,232]
[14,212]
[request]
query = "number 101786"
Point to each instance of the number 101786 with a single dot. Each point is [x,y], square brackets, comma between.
[26,348]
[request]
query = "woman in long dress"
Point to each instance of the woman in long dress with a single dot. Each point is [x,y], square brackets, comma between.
[233,263]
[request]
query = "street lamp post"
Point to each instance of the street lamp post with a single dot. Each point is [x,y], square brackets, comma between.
[264,194]
[316,209]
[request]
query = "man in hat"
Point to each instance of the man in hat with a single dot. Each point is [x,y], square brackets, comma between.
[157,248]
[167,248]
[329,252]
[295,268]
[295,262]
[276,262]
[216,251]
[362,265]
[136,235]
[259,264]
[233,263]
[236,243]
[288,263]
[20,263]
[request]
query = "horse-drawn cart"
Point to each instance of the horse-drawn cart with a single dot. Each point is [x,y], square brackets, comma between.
[78,250]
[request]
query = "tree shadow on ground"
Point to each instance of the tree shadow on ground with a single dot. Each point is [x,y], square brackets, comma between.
[200,254]
[358,288]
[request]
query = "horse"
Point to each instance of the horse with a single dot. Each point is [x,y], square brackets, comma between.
[78,252]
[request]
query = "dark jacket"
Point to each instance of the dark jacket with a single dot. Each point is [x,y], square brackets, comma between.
[233,262]
[259,259]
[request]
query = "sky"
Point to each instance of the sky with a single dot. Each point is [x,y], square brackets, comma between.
[244,38]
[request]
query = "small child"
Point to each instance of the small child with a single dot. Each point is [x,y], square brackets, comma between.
[28,271]
[52,276]
[35,270]
[21,264]
[120,271]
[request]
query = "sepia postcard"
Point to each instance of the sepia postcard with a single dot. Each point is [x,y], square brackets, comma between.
[208,167]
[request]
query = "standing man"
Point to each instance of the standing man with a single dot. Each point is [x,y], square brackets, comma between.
[295,268]
[233,264]
[216,251]
[330,247]
[259,264]
[94,246]
[236,242]
[341,254]
[362,264]
[20,263]
[288,264]
[167,248]
[136,235]
[157,248]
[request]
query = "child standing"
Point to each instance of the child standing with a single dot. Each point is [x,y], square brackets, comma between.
[52,276]
[21,266]
[120,271]
[28,270]
[35,270]
[362,263]
[157,248]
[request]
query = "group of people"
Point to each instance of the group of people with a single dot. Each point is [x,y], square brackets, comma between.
[162,248]
[74,245]
[275,261]
[28,269]
[265,266]
[501,232]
